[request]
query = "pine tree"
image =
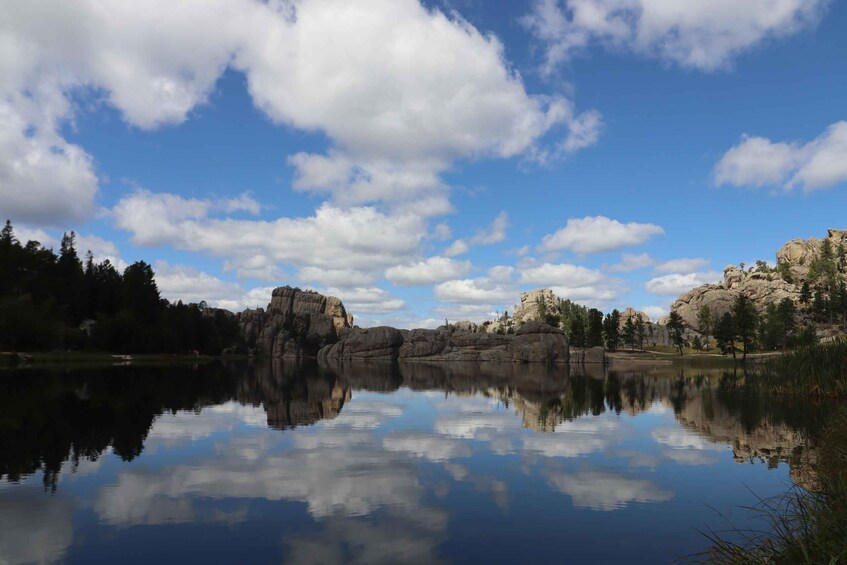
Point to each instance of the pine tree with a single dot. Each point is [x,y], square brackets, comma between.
[746,321]
[576,332]
[805,293]
[676,327]
[771,330]
[594,337]
[784,271]
[630,337]
[725,334]
[69,280]
[611,329]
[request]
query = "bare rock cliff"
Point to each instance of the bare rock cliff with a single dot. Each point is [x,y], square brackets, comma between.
[296,324]
[761,288]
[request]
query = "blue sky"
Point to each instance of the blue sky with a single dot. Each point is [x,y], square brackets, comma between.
[426,162]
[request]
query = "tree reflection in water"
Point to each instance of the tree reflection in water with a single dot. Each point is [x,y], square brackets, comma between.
[49,418]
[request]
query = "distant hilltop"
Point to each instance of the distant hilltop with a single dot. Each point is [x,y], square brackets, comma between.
[305,324]
[807,270]
[810,274]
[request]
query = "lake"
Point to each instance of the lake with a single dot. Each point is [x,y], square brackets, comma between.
[379,463]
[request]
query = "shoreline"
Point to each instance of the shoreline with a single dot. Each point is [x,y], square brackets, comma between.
[10,360]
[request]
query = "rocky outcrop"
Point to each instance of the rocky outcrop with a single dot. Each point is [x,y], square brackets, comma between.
[297,323]
[379,343]
[798,254]
[534,342]
[761,288]
[591,355]
[636,315]
[533,304]
[764,286]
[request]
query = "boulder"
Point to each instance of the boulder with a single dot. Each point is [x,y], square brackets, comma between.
[536,327]
[543,346]
[424,343]
[592,355]
[466,326]
[286,347]
[381,343]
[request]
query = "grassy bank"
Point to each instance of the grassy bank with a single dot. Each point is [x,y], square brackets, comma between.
[804,527]
[814,371]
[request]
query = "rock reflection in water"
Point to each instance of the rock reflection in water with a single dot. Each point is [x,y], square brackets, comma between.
[49,419]
[293,395]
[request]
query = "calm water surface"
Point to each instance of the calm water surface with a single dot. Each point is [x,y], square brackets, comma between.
[375,463]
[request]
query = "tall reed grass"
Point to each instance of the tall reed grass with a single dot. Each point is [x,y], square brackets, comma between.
[813,371]
[803,527]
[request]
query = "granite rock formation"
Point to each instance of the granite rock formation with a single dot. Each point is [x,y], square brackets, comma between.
[528,310]
[534,342]
[580,355]
[531,301]
[296,324]
[798,254]
[382,343]
[761,288]
[636,315]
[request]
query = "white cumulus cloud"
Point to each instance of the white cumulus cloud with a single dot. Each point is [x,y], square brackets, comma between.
[632,263]
[495,233]
[401,91]
[481,290]
[596,234]
[676,283]
[370,300]
[682,265]
[360,239]
[700,34]
[758,162]
[428,271]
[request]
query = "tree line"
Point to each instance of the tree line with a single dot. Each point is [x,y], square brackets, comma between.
[57,301]
[589,327]
[743,329]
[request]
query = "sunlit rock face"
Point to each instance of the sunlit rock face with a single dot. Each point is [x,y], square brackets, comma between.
[296,324]
[798,254]
[530,306]
[795,260]
[635,315]
[762,289]
[529,309]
